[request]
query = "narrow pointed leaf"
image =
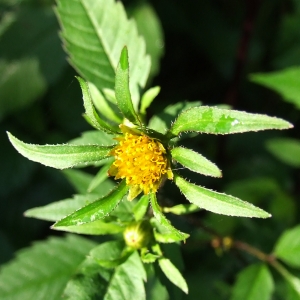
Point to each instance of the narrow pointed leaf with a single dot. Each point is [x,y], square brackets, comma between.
[195,162]
[90,111]
[123,96]
[216,202]
[148,97]
[175,234]
[182,209]
[96,210]
[254,282]
[214,120]
[94,33]
[99,178]
[43,270]
[61,156]
[173,274]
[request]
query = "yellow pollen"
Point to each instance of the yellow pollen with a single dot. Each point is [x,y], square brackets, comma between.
[141,160]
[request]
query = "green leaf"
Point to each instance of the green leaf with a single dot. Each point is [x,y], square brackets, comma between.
[286,149]
[94,33]
[99,178]
[254,282]
[57,210]
[173,233]
[288,247]
[141,207]
[110,254]
[16,74]
[151,31]
[216,202]
[173,274]
[123,96]
[61,156]
[82,181]
[162,121]
[214,120]
[148,97]
[293,281]
[98,227]
[195,162]
[96,210]
[43,270]
[89,282]
[181,209]
[127,280]
[94,137]
[90,111]
[285,82]
[103,106]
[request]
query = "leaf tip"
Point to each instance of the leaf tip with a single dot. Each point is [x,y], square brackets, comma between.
[124,59]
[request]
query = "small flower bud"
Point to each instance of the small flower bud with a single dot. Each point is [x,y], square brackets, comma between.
[138,234]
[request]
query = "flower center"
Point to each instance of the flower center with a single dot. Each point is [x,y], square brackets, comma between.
[141,160]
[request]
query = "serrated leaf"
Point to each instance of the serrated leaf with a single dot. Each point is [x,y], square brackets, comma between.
[90,111]
[195,162]
[285,82]
[287,247]
[123,96]
[254,282]
[214,120]
[216,202]
[110,254]
[173,274]
[148,98]
[96,210]
[89,282]
[61,156]
[286,150]
[141,207]
[175,234]
[94,33]
[181,209]
[43,270]
[127,280]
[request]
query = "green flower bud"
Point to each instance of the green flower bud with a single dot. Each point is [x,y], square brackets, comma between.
[138,234]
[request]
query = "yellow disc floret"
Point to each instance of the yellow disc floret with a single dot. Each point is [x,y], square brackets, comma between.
[142,161]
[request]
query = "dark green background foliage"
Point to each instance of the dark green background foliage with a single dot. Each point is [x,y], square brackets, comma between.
[210,48]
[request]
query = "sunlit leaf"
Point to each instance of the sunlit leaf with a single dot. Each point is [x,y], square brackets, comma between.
[175,234]
[97,209]
[61,156]
[173,274]
[123,96]
[90,111]
[214,120]
[94,33]
[195,162]
[148,97]
[217,202]
[141,207]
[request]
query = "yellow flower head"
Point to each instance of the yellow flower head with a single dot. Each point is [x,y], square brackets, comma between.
[141,160]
